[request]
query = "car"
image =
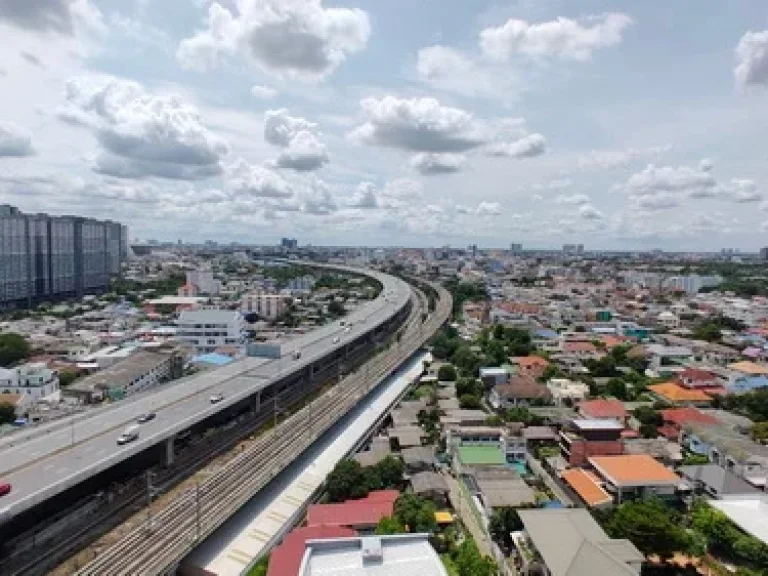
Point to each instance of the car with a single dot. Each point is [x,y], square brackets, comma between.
[144,418]
[297,354]
[336,340]
[348,328]
[5,489]
[129,435]
[216,398]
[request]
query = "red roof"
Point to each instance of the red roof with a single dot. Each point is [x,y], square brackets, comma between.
[696,375]
[364,512]
[579,347]
[681,416]
[602,408]
[285,560]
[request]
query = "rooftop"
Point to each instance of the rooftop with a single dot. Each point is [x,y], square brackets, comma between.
[481,455]
[674,393]
[597,424]
[571,543]
[634,470]
[750,514]
[400,554]
[286,558]
[747,367]
[363,512]
[602,408]
[585,486]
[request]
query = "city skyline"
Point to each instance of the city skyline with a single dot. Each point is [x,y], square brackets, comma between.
[609,124]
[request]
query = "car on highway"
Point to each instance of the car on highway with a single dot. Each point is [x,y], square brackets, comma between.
[297,354]
[5,489]
[216,398]
[336,340]
[129,435]
[144,418]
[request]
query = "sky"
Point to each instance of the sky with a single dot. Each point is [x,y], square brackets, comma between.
[615,124]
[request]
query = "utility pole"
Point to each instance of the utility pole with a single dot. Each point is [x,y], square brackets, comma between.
[72,429]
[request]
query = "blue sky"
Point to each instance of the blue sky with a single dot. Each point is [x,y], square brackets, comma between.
[407,122]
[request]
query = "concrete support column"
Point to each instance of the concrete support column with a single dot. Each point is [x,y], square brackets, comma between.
[169,451]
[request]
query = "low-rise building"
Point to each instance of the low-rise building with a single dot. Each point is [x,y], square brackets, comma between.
[582,438]
[569,542]
[505,444]
[717,482]
[362,515]
[144,369]
[635,476]
[207,330]
[33,381]
[264,304]
[519,391]
[565,390]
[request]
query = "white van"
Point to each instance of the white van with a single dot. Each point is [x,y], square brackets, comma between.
[130,434]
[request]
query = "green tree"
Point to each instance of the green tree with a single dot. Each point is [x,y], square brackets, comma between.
[260,568]
[346,481]
[13,348]
[389,525]
[336,308]
[469,561]
[691,459]
[503,522]
[651,525]
[521,414]
[415,513]
[470,402]
[551,371]
[470,386]
[617,388]
[390,472]
[446,373]
[7,412]
[759,431]
[66,377]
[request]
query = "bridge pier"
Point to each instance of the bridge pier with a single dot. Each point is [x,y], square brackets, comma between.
[169,454]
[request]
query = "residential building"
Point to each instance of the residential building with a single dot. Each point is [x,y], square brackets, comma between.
[430,485]
[266,305]
[729,449]
[402,554]
[498,487]
[33,381]
[520,391]
[491,376]
[676,395]
[204,281]
[748,514]
[602,409]
[286,558]
[717,482]
[696,378]
[20,403]
[209,329]
[635,476]
[508,443]
[532,366]
[565,390]
[47,257]
[362,515]
[583,438]
[587,487]
[142,370]
[668,320]
[569,542]
[691,283]
[674,419]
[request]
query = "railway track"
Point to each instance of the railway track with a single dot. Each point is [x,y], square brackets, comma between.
[157,546]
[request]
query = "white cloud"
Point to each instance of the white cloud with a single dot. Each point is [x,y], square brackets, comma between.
[752,57]
[63,17]
[263,92]
[420,125]
[450,70]
[14,141]
[488,209]
[608,159]
[292,38]
[742,191]
[562,38]
[573,199]
[142,134]
[243,179]
[364,197]
[560,184]
[302,149]
[430,164]
[589,212]
[528,146]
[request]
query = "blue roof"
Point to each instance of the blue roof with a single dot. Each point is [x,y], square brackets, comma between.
[213,358]
[545,333]
[553,504]
[748,383]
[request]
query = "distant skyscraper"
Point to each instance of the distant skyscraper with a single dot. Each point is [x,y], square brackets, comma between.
[764,254]
[515,248]
[289,243]
[46,257]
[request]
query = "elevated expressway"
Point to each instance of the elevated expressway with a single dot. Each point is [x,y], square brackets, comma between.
[55,465]
[158,547]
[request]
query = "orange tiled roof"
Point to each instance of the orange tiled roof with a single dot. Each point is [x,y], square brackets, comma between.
[585,485]
[675,393]
[611,341]
[633,469]
[530,361]
[747,367]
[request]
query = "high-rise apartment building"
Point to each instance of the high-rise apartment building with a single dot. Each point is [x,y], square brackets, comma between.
[764,254]
[45,257]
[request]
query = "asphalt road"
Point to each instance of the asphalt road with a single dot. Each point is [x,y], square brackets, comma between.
[61,456]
